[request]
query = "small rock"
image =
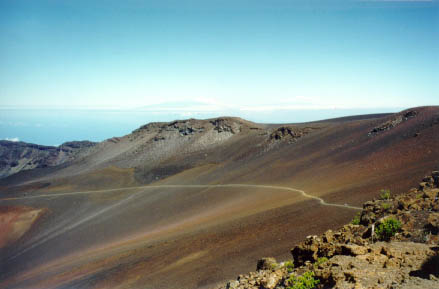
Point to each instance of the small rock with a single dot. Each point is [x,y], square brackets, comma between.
[233,284]
[353,250]
[266,264]
[433,223]
[271,281]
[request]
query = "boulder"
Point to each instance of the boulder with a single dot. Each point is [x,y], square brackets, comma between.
[353,250]
[270,281]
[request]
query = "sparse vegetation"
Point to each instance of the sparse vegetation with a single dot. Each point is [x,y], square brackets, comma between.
[356,219]
[320,261]
[385,194]
[289,265]
[409,227]
[306,281]
[386,206]
[388,228]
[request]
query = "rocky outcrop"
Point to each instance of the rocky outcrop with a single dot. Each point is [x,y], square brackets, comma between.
[289,133]
[193,126]
[226,125]
[377,265]
[360,255]
[19,156]
[396,120]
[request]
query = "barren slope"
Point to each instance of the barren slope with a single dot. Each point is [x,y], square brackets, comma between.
[169,236]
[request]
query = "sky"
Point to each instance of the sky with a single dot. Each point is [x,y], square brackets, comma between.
[125,63]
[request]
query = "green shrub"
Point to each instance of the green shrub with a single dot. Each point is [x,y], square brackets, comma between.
[356,219]
[289,265]
[388,228]
[385,194]
[320,261]
[306,281]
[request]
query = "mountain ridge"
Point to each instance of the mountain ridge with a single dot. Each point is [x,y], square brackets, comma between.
[139,235]
[44,161]
[18,156]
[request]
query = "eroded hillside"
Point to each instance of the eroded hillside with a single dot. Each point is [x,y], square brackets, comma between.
[193,203]
[21,156]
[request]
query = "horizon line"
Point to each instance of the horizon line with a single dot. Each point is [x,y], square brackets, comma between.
[207,108]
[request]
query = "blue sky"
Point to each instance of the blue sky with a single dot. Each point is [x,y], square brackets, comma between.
[219,57]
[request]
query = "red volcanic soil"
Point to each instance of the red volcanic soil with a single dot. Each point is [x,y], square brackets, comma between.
[195,237]
[15,221]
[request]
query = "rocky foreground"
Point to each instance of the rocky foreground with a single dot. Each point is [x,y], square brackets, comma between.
[392,243]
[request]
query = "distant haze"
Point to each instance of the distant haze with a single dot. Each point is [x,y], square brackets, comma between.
[89,69]
[56,126]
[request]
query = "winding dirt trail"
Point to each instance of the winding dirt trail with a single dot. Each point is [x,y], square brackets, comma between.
[303,193]
[117,247]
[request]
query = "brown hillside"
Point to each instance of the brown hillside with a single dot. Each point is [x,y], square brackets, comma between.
[97,236]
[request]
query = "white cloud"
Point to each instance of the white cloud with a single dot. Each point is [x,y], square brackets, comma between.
[13,139]
[288,107]
[194,107]
[187,114]
[188,105]
[182,103]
